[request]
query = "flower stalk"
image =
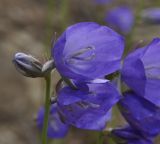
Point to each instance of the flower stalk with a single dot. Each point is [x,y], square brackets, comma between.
[47,109]
[100,138]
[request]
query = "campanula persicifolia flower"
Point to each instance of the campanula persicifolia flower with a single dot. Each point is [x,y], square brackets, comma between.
[120,18]
[127,135]
[87,51]
[141,71]
[151,15]
[56,128]
[88,109]
[141,114]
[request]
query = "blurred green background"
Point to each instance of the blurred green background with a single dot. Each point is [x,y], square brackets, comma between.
[28,26]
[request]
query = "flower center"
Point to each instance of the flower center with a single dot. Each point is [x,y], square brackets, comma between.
[84,54]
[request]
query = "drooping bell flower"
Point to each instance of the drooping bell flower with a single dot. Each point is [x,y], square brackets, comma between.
[128,135]
[87,109]
[141,71]
[86,51]
[151,15]
[56,128]
[121,19]
[141,114]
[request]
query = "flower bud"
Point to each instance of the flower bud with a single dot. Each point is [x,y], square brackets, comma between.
[27,65]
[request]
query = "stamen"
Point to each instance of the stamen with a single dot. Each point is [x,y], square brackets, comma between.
[82,51]
[152,67]
[150,75]
[86,105]
[78,55]
[85,59]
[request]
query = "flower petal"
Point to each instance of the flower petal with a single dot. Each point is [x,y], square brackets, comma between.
[87,51]
[88,110]
[56,128]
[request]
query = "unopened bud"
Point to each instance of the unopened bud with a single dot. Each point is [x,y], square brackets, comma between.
[27,65]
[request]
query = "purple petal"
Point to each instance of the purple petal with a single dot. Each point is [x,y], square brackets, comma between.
[141,71]
[88,110]
[141,114]
[56,128]
[133,73]
[130,136]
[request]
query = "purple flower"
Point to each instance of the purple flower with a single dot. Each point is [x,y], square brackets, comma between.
[121,19]
[141,71]
[87,109]
[56,128]
[130,136]
[151,15]
[87,51]
[141,114]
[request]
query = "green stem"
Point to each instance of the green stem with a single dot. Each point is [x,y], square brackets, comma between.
[100,138]
[64,14]
[47,109]
[129,37]
[49,25]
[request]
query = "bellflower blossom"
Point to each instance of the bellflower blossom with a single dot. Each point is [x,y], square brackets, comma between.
[86,51]
[151,15]
[141,114]
[141,71]
[130,136]
[56,128]
[87,109]
[120,18]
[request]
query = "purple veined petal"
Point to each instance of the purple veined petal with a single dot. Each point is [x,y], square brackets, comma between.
[151,57]
[151,15]
[141,114]
[141,71]
[133,74]
[120,18]
[56,128]
[130,136]
[126,132]
[88,110]
[87,51]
